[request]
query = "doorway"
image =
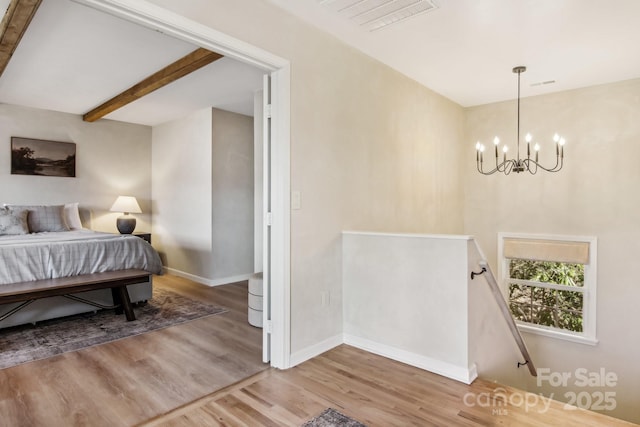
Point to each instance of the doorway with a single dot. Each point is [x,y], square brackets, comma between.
[277,252]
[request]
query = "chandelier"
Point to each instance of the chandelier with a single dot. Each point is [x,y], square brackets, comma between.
[519,164]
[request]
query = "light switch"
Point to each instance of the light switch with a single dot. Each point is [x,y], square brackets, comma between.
[296,201]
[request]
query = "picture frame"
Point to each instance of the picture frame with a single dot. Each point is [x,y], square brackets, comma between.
[31,156]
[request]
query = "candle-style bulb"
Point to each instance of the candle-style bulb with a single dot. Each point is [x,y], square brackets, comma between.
[528,137]
[496,140]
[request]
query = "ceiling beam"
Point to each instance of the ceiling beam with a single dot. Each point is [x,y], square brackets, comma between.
[193,61]
[13,26]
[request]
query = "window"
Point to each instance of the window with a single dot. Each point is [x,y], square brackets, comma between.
[549,283]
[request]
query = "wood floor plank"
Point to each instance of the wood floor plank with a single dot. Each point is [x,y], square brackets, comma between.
[203,373]
[129,381]
[374,390]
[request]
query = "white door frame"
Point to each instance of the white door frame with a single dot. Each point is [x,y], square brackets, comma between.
[154,17]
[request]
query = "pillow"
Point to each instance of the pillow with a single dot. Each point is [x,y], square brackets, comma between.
[13,222]
[71,216]
[42,218]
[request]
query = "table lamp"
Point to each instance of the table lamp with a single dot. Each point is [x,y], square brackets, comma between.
[126,204]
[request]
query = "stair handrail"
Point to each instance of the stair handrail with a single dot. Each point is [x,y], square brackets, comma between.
[506,313]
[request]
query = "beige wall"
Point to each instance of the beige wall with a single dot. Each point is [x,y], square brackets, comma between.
[595,194]
[370,150]
[373,150]
[112,159]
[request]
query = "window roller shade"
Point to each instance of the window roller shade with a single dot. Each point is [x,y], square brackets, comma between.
[547,250]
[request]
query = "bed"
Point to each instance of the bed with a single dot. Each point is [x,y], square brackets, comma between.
[45,242]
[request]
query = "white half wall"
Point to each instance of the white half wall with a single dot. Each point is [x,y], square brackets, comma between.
[112,158]
[411,298]
[405,296]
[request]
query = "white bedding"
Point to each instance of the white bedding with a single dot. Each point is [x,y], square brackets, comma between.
[48,255]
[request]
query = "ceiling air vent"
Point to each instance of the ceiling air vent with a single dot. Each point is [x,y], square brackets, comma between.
[373,15]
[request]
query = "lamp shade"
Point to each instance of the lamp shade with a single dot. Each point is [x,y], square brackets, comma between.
[126,204]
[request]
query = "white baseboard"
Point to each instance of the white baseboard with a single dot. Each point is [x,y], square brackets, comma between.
[465,375]
[205,281]
[314,350]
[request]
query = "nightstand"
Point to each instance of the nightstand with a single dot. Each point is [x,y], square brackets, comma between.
[144,236]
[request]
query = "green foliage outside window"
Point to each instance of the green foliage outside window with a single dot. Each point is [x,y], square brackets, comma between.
[560,309]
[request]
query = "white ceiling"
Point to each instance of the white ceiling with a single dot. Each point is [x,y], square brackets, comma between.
[73,58]
[466,49]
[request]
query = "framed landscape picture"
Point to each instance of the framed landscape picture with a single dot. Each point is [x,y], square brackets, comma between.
[39,157]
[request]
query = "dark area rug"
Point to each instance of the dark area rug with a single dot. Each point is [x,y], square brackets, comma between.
[332,418]
[21,344]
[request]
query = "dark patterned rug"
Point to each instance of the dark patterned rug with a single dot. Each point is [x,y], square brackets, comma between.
[21,344]
[332,418]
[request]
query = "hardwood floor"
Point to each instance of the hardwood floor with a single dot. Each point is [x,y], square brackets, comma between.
[126,382]
[208,372]
[374,390]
